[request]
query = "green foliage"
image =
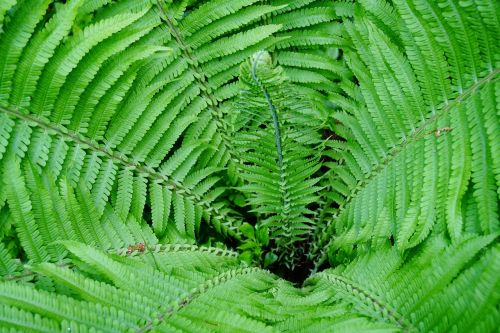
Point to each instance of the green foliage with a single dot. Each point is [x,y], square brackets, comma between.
[421,149]
[141,140]
[278,173]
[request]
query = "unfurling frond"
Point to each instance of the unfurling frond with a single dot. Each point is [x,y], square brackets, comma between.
[278,159]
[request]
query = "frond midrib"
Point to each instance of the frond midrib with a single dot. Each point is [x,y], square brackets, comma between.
[276,125]
[370,299]
[201,80]
[183,301]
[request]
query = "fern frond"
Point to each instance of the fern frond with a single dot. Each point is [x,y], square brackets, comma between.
[420,293]
[44,214]
[424,131]
[378,291]
[12,319]
[8,264]
[280,175]
[20,204]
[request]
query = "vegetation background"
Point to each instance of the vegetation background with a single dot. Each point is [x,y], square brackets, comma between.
[249,166]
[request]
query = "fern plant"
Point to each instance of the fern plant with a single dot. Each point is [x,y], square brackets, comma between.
[164,164]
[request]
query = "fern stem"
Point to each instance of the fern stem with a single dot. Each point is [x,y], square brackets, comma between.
[212,103]
[196,292]
[201,79]
[274,115]
[385,310]
[168,248]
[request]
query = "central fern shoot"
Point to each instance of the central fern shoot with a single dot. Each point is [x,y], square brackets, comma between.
[278,159]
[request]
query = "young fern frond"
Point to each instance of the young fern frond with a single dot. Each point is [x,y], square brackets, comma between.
[278,161]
